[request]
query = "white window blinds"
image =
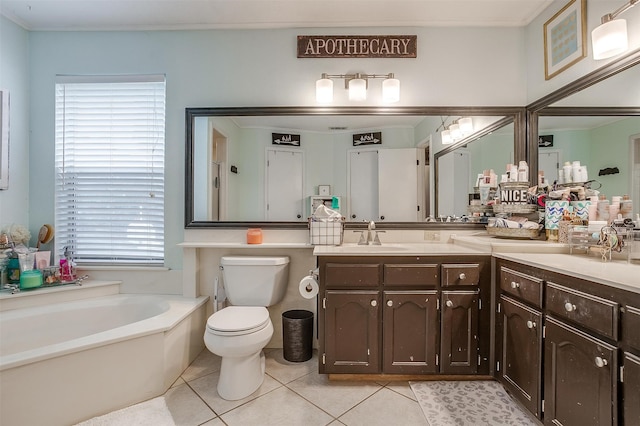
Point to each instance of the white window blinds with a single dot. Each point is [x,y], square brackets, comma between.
[109,160]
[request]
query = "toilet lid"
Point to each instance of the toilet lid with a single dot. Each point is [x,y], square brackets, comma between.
[239,319]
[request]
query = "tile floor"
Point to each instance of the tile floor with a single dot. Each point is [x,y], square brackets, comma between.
[291,394]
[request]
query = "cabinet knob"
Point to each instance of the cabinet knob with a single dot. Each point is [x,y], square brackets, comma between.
[601,362]
[569,307]
[374,303]
[515,285]
[462,276]
[389,303]
[449,303]
[531,324]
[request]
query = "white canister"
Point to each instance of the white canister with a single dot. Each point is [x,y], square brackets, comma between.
[566,172]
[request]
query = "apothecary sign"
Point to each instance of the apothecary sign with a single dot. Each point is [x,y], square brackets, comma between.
[380,46]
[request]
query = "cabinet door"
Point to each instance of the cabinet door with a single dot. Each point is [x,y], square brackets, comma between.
[351,332]
[631,390]
[519,352]
[579,378]
[410,332]
[459,332]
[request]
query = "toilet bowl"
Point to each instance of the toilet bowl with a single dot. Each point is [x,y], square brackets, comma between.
[239,332]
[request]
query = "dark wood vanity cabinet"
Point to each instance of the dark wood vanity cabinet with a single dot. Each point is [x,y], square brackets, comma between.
[409,315]
[567,348]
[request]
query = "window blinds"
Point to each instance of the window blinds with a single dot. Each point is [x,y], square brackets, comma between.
[109,162]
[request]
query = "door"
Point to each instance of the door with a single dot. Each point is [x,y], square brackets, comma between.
[362,188]
[459,332]
[579,378]
[549,162]
[410,332]
[214,192]
[519,352]
[398,172]
[284,197]
[631,389]
[351,332]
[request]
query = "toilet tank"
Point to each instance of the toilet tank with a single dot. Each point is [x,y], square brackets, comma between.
[255,280]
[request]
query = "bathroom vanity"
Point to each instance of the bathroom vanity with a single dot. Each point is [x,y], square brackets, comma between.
[560,332]
[404,313]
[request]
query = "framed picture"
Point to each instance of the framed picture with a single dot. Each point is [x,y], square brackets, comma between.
[285,139]
[324,189]
[4,139]
[371,138]
[565,38]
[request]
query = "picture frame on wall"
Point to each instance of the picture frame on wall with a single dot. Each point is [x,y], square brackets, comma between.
[565,38]
[4,139]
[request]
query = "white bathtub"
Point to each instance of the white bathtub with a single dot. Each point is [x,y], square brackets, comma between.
[66,362]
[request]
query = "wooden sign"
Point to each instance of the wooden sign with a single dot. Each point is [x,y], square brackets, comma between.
[372,138]
[381,46]
[285,139]
[545,141]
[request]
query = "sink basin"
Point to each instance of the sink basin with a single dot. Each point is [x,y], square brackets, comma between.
[384,248]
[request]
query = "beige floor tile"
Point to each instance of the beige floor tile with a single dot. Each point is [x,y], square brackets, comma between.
[285,371]
[269,410]
[187,409]
[178,382]
[206,387]
[402,388]
[335,397]
[384,408]
[214,422]
[205,363]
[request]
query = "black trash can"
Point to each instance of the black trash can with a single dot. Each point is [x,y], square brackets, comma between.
[297,335]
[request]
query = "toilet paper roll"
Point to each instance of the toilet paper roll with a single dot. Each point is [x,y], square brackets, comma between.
[308,287]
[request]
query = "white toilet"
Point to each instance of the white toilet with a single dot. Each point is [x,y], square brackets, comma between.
[239,332]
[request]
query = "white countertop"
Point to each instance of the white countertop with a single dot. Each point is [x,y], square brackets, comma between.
[616,273]
[397,249]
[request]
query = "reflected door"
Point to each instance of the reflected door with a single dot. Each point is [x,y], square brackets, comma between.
[284,185]
[363,185]
[398,180]
[549,163]
[214,192]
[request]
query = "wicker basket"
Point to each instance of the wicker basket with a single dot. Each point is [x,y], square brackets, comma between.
[513,233]
[514,208]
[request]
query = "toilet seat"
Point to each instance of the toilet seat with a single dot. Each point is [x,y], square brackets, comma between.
[238,320]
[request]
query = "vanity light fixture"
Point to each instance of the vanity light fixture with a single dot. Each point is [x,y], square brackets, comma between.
[455,131]
[610,37]
[357,85]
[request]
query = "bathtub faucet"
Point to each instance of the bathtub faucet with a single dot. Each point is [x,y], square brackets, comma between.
[15,288]
[80,279]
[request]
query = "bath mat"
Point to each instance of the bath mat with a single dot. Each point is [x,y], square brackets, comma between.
[463,403]
[149,413]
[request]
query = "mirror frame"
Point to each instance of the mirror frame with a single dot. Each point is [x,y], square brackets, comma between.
[511,114]
[543,105]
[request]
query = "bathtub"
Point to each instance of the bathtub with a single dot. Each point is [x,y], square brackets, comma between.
[66,362]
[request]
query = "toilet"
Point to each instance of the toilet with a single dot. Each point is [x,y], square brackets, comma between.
[239,332]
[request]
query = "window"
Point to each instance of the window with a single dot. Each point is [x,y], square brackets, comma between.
[109,161]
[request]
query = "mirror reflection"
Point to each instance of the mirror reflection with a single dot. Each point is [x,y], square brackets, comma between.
[279,168]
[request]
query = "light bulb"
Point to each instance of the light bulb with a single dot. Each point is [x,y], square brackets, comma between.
[390,89]
[324,90]
[455,131]
[446,137]
[466,126]
[609,39]
[357,89]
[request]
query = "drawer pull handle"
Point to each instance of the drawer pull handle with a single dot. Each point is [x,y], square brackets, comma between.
[569,307]
[515,285]
[374,303]
[601,362]
[462,276]
[531,324]
[389,303]
[449,304]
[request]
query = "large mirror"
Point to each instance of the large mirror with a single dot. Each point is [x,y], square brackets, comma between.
[597,125]
[272,167]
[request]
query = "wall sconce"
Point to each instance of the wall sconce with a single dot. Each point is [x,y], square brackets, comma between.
[457,130]
[610,38]
[357,85]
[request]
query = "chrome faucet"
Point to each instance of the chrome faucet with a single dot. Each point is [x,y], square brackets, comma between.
[371,231]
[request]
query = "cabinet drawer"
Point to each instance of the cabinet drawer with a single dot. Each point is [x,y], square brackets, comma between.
[631,327]
[593,312]
[352,275]
[522,286]
[411,274]
[460,274]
